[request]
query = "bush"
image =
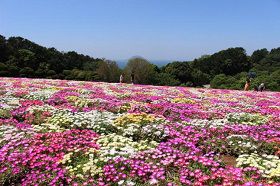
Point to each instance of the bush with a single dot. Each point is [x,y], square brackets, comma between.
[166,79]
[51,73]
[224,82]
[26,72]
[3,67]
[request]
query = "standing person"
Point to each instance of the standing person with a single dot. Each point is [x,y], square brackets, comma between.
[247,85]
[261,87]
[121,78]
[132,77]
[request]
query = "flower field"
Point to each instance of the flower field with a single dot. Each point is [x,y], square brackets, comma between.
[58,132]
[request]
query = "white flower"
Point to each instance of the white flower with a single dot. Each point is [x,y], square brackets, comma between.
[130,183]
[153,181]
[158,133]
[121,182]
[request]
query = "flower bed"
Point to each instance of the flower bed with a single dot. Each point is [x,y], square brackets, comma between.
[91,133]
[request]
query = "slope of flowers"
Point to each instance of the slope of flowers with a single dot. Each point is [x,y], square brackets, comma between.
[58,132]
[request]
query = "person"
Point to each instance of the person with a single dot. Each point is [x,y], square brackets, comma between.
[247,85]
[261,87]
[121,78]
[132,77]
[256,88]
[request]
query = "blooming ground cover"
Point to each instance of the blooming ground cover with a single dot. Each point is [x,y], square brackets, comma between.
[58,132]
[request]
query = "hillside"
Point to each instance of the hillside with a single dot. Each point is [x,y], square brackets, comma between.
[225,69]
[63,132]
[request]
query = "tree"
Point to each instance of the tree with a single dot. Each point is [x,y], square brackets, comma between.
[4,51]
[51,73]
[13,70]
[144,72]
[199,78]
[40,73]
[224,82]
[180,70]
[18,53]
[3,67]
[258,55]
[218,80]
[21,57]
[166,79]
[26,72]
[228,62]
[4,70]
[268,80]
[108,71]
[276,77]
[90,66]
[27,58]
[115,71]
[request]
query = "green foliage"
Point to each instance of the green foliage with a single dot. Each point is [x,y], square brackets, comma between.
[226,69]
[26,72]
[144,71]
[166,79]
[21,57]
[224,82]
[66,72]
[229,62]
[40,73]
[51,72]
[199,78]
[4,49]
[269,80]
[258,55]
[108,71]
[270,63]
[276,76]
[3,67]
[180,70]
[4,73]
[266,65]
[13,70]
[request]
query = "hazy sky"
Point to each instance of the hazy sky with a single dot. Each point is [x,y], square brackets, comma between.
[154,29]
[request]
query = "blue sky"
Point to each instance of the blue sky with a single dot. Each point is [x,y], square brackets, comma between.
[154,29]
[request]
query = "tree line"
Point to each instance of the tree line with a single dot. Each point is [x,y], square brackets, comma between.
[226,69]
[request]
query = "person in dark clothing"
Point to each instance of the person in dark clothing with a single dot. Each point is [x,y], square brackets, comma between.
[132,77]
[256,88]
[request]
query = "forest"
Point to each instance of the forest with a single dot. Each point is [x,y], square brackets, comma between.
[225,69]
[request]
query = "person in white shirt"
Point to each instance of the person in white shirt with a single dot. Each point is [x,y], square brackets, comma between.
[261,87]
[121,78]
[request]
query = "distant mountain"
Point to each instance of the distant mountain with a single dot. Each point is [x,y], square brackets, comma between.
[122,63]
